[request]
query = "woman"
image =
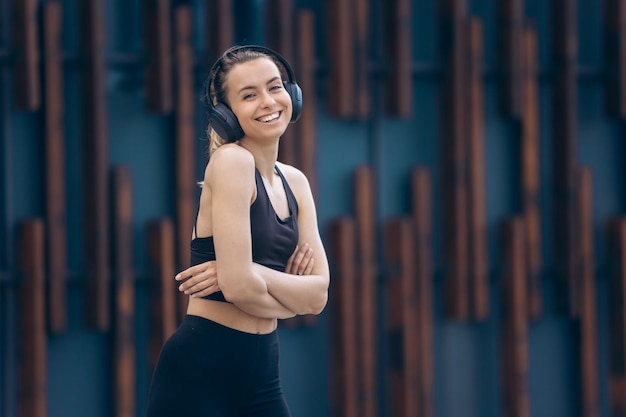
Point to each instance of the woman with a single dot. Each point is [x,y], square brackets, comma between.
[258,222]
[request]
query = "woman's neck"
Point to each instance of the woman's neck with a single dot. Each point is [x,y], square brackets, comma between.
[265,156]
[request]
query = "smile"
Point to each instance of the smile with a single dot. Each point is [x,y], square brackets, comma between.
[269,118]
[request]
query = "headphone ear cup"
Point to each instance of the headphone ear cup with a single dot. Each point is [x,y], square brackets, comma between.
[294,91]
[225,123]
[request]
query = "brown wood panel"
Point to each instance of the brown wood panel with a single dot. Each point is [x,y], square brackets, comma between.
[403,320]
[514,321]
[186,186]
[588,323]
[124,315]
[615,56]
[531,170]
[163,288]
[478,261]
[365,213]
[344,376]
[399,53]
[27,86]
[454,126]
[511,29]
[32,359]
[56,208]
[361,17]
[341,91]
[280,34]
[565,151]
[421,196]
[617,318]
[221,31]
[158,41]
[95,157]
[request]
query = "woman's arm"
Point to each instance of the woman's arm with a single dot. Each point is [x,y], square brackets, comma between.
[230,176]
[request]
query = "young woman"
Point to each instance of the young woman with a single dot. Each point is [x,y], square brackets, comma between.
[257,255]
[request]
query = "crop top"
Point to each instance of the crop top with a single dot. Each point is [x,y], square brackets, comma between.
[273,239]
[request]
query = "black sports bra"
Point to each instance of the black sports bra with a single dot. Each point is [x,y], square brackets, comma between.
[273,239]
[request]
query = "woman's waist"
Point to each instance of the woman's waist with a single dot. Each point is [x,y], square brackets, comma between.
[230,315]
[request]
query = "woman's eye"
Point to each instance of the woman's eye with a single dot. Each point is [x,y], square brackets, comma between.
[248,96]
[276,87]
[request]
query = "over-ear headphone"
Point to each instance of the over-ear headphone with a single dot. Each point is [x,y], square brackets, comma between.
[221,117]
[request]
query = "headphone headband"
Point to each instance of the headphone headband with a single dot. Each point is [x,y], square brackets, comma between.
[221,117]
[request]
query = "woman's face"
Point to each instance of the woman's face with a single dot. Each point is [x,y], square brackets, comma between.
[258,98]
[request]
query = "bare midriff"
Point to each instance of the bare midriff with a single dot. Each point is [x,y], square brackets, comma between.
[230,315]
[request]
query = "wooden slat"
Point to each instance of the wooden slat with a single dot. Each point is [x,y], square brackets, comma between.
[361,17]
[531,170]
[307,125]
[280,34]
[565,146]
[26,68]
[56,208]
[340,40]
[186,188]
[590,398]
[344,370]
[221,31]
[478,261]
[511,21]
[124,342]
[365,212]
[403,320]
[399,52]
[95,156]
[32,367]
[615,56]
[454,157]
[514,324]
[158,41]
[421,193]
[617,319]
[163,311]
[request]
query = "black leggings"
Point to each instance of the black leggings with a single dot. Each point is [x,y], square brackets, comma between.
[206,369]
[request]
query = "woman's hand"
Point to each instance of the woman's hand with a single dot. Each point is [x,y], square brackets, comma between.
[199,280]
[301,261]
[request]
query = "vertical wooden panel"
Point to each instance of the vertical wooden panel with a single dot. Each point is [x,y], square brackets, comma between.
[186,188]
[340,38]
[32,365]
[344,382]
[511,21]
[588,326]
[279,18]
[399,52]
[307,125]
[454,156]
[361,17]
[56,209]
[163,312]
[365,208]
[422,225]
[531,170]
[615,56]
[514,325]
[26,67]
[124,342]
[222,28]
[617,319]
[403,321]
[478,261]
[158,41]
[95,156]
[565,145]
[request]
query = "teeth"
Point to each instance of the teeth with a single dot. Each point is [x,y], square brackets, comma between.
[269,118]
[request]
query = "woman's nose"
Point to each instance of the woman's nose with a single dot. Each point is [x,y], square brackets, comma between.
[267,99]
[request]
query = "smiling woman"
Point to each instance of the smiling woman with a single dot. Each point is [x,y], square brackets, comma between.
[256,251]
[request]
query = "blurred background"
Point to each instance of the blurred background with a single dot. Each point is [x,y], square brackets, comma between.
[467,159]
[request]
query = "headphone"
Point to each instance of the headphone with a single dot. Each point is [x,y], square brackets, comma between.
[221,117]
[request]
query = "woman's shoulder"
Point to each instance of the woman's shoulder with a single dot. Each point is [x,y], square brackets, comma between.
[293,175]
[231,157]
